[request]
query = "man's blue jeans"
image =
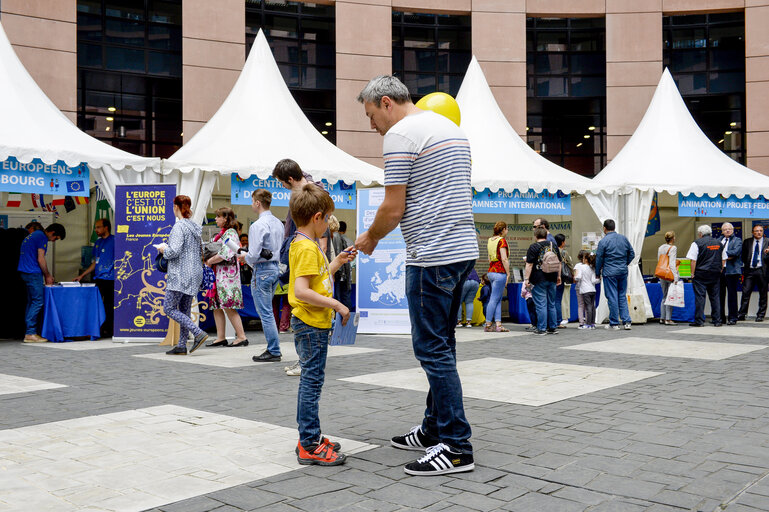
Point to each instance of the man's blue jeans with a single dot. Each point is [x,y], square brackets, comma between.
[434,295]
[559,289]
[615,288]
[35,288]
[263,283]
[543,294]
[312,348]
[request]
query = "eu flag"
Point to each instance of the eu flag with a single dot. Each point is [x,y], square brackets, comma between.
[75,186]
[653,225]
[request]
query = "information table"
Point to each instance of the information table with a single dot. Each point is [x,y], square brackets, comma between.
[71,312]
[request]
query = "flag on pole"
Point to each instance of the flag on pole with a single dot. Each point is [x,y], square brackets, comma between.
[14,200]
[69,204]
[653,224]
[57,201]
[36,199]
[81,200]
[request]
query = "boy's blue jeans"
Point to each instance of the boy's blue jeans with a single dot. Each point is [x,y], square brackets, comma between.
[312,347]
[35,288]
[434,295]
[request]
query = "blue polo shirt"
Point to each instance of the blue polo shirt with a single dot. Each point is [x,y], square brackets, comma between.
[104,256]
[28,258]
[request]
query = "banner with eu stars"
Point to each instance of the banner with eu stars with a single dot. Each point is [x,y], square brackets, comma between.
[241,189]
[37,177]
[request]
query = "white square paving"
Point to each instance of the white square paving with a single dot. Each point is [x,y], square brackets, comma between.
[515,381]
[225,357]
[10,384]
[464,335]
[712,351]
[728,330]
[135,460]
[88,344]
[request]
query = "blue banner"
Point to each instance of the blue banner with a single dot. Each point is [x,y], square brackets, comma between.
[39,178]
[144,216]
[516,201]
[732,207]
[241,190]
[381,277]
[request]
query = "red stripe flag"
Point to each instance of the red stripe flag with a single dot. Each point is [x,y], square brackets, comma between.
[14,200]
[58,201]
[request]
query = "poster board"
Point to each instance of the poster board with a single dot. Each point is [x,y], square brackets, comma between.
[144,216]
[381,277]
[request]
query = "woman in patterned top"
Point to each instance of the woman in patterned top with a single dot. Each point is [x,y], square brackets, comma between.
[499,270]
[228,296]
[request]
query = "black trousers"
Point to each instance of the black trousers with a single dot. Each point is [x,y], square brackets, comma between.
[107,290]
[753,277]
[710,285]
[729,293]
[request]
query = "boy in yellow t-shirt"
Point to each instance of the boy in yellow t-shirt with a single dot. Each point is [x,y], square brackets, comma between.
[310,293]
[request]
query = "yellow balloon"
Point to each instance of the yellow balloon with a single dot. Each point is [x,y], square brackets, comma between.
[441,103]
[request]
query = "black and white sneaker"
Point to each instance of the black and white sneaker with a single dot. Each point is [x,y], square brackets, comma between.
[440,460]
[415,440]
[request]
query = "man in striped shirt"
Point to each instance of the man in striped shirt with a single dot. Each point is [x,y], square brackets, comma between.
[427,191]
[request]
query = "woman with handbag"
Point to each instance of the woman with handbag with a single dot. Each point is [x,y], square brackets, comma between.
[227,296]
[185,273]
[499,270]
[667,273]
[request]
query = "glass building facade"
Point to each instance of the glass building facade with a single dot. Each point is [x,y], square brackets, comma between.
[302,38]
[129,69]
[706,56]
[431,52]
[566,91]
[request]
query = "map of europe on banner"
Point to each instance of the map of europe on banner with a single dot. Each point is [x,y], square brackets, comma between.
[39,178]
[241,190]
[144,216]
[516,201]
[730,207]
[381,277]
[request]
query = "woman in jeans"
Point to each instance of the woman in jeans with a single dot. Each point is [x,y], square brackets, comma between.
[499,269]
[229,295]
[185,272]
[666,312]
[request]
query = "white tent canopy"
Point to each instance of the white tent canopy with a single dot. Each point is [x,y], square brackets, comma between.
[667,153]
[501,158]
[33,127]
[259,124]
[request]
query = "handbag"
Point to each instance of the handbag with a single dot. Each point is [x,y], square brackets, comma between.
[567,275]
[161,263]
[663,267]
[675,295]
[211,249]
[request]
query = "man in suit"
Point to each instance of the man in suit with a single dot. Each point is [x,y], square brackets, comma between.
[754,251]
[730,275]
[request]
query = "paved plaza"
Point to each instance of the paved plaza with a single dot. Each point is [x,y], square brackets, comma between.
[654,419]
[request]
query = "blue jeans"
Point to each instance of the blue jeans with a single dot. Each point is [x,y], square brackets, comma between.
[35,288]
[615,288]
[558,302]
[434,295]
[312,347]
[469,289]
[544,299]
[494,309]
[263,283]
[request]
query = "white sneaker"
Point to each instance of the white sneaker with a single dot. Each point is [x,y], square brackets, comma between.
[583,327]
[627,327]
[612,327]
[294,372]
[564,322]
[291,366]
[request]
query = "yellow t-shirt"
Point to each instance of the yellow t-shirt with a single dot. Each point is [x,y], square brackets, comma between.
[306,260]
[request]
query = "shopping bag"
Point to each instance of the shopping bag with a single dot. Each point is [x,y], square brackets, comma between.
[675,296]
[663,267]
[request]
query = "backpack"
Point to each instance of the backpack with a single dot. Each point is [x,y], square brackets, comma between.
[548,260]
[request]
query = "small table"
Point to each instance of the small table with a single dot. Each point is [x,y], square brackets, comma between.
[71,312]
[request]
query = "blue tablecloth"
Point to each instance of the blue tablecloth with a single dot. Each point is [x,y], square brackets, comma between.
[72,312]
[684,314]
[519,313]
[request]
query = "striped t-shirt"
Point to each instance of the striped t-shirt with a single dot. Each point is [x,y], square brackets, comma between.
[431,156]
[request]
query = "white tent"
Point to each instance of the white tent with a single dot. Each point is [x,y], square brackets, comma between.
[501,158]
[33,127]
[259,124]
[667,153]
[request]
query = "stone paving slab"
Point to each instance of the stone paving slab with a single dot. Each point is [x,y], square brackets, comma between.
[727,330]
[88,344]
[710,350]
[513,381]
[11,384]
[465,335]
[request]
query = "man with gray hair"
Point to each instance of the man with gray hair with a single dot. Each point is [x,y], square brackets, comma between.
[730,275]
[427,191]
[707,261]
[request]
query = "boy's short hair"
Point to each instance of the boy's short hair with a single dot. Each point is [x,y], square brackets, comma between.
[57,230]
[263,196]
[286,169]
[540,232]
[309,201]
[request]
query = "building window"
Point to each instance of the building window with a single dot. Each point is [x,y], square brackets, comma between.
[431,52]
[706,56]
[129,60]
[302,38]
[566,91]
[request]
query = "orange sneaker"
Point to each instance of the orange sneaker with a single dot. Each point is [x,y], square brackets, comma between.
[323,440]
[322,454]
